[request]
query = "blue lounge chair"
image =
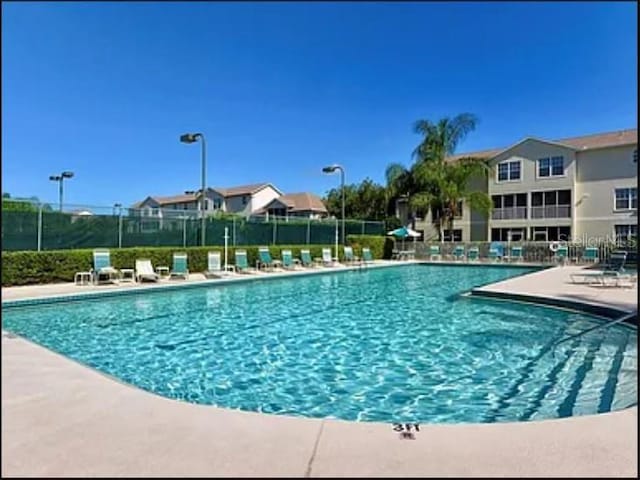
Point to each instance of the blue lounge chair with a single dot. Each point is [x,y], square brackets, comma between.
[561,254]
[366,255]
[473,254]
[434,252]
[288,262]
[102,267]
[180,269]
[590,255]
[266,262]
[516,254]
[306,260]
[242,265]
[458,252]
[496,251]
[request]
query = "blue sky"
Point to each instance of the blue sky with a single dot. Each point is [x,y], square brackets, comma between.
[281,89]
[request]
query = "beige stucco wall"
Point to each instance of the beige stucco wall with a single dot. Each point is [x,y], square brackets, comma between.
[528,152]
[599,173]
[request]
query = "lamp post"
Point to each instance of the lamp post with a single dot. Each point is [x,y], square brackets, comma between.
[192,138]
[332,169]
[60,178]
[119,207]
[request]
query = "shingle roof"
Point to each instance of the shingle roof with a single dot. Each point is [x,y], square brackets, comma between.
[585,142]
[299,202]
[242,189]
[303,201]
[225,192]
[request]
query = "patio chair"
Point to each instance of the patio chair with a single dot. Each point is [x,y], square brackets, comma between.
[434,252]
[266,262]
[496,251]
[180,269]
[214,265]
[349,257]
[327,260]
[591,255]
[458,252]
[288,262]
[102,267]
[516,254]
[561,255]
[306,260]
[144,271]
[366,255]
[242,265]
[473,254]
[613,269]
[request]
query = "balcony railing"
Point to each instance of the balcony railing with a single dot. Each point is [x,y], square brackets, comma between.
[551,211]
[510,213]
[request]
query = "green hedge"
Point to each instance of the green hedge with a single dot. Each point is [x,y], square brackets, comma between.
[381,247]
[28,267]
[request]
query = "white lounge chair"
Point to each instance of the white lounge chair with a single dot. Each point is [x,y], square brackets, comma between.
[214,265]
[144,271]
[327,260]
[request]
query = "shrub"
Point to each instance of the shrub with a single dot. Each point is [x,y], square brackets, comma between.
[50,266]
[381,247]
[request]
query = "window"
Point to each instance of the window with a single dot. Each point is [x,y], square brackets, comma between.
[458,209]
[626,199]
[635,156]
[551,234]
[453,235]
[244,199]
[551,204]
[217,203]
[509,171]
[508,234]
[626,233]
[551,167]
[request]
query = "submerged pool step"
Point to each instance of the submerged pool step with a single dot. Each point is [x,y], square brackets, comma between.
[596,386]
[626,392]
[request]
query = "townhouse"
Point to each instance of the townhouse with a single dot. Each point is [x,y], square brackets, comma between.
[574,189]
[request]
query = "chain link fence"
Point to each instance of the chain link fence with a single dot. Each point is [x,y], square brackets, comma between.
[38,226]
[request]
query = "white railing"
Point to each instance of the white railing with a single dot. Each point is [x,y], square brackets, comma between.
[509,213]
[551,211]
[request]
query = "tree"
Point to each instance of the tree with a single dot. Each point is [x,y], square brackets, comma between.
[435,182]
[363,201]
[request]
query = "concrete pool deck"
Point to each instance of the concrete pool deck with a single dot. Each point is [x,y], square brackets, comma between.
[60,418]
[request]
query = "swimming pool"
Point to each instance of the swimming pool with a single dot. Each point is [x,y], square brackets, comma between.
[391,344]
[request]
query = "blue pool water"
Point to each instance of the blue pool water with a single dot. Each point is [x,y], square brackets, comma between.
[393,344]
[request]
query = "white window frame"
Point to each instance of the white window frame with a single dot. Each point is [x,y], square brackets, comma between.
[509,179]
[629,206]
[551,174]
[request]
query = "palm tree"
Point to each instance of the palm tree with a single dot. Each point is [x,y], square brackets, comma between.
[434,182]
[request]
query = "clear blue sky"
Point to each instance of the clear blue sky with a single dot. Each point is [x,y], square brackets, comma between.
[281,89]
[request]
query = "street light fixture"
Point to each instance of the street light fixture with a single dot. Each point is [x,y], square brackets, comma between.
[332,169]
[60,178]
[192,138]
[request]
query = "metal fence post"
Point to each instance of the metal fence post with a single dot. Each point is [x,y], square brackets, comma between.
[275,223]
[40,227]
[363,222]
[233,225]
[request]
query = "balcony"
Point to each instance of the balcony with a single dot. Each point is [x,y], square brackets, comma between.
[509,213]
[551,211]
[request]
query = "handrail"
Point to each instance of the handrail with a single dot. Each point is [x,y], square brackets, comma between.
[623,318]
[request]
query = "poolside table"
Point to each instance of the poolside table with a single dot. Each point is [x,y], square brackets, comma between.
[162,271]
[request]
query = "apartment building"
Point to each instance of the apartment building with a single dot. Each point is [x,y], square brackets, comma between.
[581,189]
[242,200]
